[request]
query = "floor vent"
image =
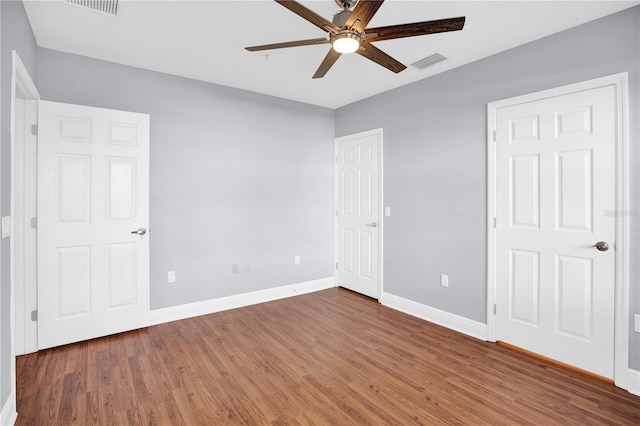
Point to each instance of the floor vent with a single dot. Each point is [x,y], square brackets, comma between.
[428,61]
[110,7]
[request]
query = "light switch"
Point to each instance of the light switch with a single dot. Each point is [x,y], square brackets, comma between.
[387,211]
[6,226]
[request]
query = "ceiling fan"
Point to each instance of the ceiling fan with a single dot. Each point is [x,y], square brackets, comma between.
[348,32]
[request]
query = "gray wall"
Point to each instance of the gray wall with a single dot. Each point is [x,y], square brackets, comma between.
[16,35]
[435,158]
[235,177]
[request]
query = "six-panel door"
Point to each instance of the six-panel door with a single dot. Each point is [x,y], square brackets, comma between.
[555,193]
[93,191]
[358,221]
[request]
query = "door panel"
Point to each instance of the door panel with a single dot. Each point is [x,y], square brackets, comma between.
[73,282]
[524,286]
[575,190]
[121,188]
[574,284]
[358,206]
[121,275]
[93,190]
[73,191]
[525,190]
[555,181]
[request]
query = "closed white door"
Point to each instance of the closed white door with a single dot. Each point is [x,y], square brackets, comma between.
[555,233]
[358,213]
[93,192]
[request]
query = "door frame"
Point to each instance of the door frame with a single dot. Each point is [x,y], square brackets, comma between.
[621,325]
[22,87]
[377,132]
[23,264]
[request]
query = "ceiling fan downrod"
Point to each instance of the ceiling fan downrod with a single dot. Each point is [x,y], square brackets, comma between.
[346,4]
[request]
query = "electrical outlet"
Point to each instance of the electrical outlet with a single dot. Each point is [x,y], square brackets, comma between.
[247,267]
[444,280]
[171,277]
[636,323]
[296,260]
[235,268]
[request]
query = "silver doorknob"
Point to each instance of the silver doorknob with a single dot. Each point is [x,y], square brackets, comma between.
[372,224]
[140,231]
[601,245]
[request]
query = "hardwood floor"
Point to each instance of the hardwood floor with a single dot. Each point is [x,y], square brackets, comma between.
[331,357]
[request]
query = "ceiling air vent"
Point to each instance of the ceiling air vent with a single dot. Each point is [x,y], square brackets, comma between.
[110,7]
[428,61]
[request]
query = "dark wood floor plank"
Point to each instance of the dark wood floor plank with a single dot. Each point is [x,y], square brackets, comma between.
[330,358]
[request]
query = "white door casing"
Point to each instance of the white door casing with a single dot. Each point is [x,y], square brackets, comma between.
[24,232]
[93,192]
[358,202]
[557,172]
[23,94]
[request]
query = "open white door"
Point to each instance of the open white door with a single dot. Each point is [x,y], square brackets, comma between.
[93,194]
[358,228]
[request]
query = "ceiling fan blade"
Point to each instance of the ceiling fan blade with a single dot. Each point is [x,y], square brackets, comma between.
[414,29]
[309,15]
[371,52]
[288,44]
[327,63]
[362,14]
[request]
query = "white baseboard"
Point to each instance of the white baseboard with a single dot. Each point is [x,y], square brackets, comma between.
[633,382]
[174,313]
[8,415]
[427,313]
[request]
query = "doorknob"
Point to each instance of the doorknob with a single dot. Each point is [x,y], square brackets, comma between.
[140,231]
[372,224]
[601,245]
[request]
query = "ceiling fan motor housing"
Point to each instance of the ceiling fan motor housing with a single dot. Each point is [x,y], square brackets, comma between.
[340,18]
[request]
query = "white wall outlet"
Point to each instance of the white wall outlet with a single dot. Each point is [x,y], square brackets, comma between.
[387,211]
[235,268]
[444,280]
[296,260]
[247,267]
[636,323]
[171,277]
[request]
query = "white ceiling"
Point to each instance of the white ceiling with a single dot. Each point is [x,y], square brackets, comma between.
[205,40]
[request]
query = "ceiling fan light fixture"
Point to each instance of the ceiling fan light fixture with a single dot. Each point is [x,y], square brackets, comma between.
[346,42]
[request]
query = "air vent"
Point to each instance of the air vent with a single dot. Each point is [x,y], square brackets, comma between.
[428,61]
[110,7]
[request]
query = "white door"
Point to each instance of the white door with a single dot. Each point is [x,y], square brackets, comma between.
[358,213]
[555,200]
[93,191]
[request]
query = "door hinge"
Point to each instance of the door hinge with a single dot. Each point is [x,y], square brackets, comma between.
[34,130]
[495,136]
[336,266]
[495,222]
[34,315]
[34,222]
[336,159]
[494,309]
[336,212]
